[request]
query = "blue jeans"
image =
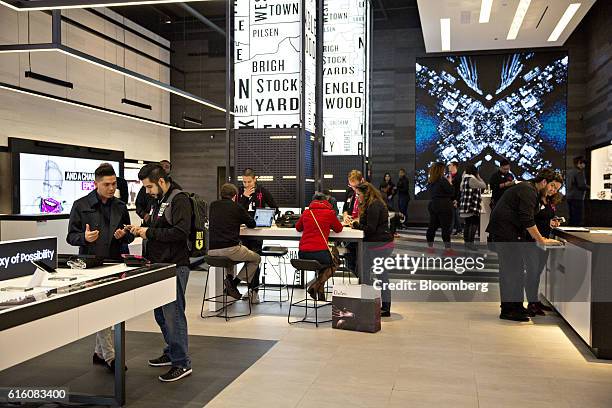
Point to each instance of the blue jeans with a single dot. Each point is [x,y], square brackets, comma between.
[456,220]
[173,323]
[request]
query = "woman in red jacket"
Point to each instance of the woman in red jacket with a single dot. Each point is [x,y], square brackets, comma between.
[313,243]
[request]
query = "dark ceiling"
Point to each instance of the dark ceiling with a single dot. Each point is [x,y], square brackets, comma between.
[172,22]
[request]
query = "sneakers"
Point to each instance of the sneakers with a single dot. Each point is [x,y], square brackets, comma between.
[385,313]
[164,360]
[535,309]
[231,289]
[97,360]
[175,374]
[514,315]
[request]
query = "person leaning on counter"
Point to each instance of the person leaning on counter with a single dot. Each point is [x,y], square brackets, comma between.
[96,226]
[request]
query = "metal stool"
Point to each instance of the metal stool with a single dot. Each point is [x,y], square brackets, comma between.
[278,252]
[225,264]
[303,265]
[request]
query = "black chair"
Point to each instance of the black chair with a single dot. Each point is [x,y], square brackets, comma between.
[278,252]
[303,265]
[225,264]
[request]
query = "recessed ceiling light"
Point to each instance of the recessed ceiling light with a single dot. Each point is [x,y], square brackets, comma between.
[521,11]
[445,33]
[485,11]
[564,21]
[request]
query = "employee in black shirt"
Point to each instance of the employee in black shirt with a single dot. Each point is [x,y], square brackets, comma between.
[225,218]
[511,220]
[546,220]
[252,196]
[500,181]
[168,230]
[440,207]
[96,226]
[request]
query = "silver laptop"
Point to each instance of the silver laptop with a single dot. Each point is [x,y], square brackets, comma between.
[264,217]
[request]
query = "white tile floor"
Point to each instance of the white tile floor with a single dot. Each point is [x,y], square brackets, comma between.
[427,355]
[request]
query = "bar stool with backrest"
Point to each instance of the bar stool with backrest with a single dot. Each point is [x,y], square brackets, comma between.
[304,265]
[224,264]
[279,253]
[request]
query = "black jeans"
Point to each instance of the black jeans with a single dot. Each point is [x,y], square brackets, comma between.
[368,276]
[536,260]
[254,245]
[470,227]
[402,203]
[323,257]
[440,216]
[575,212]
[513,259]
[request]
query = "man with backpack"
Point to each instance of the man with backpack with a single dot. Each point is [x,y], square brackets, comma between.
[167,235]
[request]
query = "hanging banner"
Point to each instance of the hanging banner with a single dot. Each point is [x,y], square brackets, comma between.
[345,67]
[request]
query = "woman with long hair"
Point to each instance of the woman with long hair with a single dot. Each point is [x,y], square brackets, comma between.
[374,221]
[469,203]
[441,206]
[388,190]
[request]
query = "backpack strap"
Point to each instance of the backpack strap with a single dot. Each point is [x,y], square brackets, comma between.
[168,209]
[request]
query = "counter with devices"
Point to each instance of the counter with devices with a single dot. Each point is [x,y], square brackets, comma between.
[72,304]
[578,284]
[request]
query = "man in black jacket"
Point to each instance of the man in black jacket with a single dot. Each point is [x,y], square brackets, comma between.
[500,181]
[251,196]
[453,172]
[167,234]
[403,194]
[225,218]
[96,226]
[511,220]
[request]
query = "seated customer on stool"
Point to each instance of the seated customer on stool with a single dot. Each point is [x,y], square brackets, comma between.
[96,227]
[374,221]
[315,225]
[225,218]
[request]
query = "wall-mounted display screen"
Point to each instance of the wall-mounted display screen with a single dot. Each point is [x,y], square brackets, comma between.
[480,109]
[51,184]
[601,173]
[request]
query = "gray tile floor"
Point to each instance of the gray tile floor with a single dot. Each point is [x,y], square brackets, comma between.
[217,361]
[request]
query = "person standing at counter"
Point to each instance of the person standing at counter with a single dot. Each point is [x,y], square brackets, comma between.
[225,218]
[441,205]
[251,196]
[315,225]
[350,213]
[469,203]
[576,191]
[374,222]
[403,194]
[167,236]
[546,221]
[96,226]
[511,220]
[500,181]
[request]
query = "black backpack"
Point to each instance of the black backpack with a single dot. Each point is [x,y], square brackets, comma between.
[197,242]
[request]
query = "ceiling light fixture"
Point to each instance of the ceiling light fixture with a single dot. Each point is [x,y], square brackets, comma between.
[445,32]
[48,79]
[71,4]
[141,105]
[192,120]
[517,21]
[66,101]
[485,11]
[564,21]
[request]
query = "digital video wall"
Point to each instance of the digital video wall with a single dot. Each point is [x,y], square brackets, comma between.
[481,109]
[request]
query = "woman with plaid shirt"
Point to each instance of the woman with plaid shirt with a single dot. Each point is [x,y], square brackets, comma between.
[469,203]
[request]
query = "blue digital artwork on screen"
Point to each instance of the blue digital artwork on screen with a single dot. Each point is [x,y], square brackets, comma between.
[481,109]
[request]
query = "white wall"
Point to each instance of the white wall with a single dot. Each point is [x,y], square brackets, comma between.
[30,117]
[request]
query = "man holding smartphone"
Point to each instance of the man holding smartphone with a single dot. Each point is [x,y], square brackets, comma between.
[97,227]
